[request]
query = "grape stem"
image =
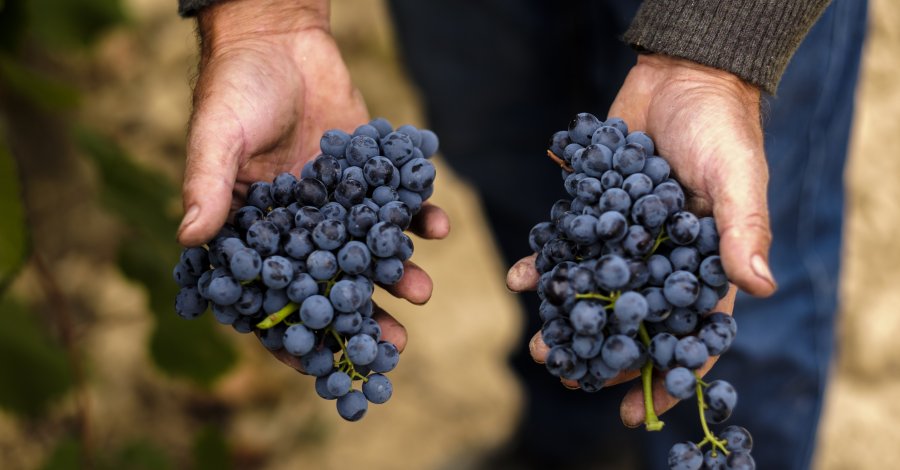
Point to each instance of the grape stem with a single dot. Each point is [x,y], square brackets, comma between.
[344,363]
[559,161]
[708,436]
[278,316]
[651,420]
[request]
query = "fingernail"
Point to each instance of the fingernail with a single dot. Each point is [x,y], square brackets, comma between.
[761,269]
[189,217]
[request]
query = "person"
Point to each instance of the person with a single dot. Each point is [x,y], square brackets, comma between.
[497,72]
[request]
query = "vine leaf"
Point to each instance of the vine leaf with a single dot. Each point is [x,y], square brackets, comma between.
[14,241]
[139,197]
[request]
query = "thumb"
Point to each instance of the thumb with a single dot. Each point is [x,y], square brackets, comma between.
[738,192]
[215,143]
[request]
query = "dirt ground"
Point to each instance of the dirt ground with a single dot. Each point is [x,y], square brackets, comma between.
[452,384]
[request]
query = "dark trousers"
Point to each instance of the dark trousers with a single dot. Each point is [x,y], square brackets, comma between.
[500,76]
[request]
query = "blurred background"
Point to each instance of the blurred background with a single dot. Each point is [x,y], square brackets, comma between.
[96,371]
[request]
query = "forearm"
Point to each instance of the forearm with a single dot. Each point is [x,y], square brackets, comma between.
[752,39]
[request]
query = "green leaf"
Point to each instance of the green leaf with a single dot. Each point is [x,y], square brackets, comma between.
[14,242]
[66,456]
[64,23]
[211,450]
[41,90]
[33,367]
[137,455]
[138,196]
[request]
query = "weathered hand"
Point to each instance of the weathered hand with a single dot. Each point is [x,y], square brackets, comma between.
[706,123]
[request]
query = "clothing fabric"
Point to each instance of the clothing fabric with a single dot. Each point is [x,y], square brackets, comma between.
[500,76]
[752,39]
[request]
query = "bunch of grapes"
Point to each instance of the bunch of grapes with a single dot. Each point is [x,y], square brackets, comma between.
[300,261]
[629,280]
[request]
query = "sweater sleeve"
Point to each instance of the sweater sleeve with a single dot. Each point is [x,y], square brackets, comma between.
[187,8]
[754,39]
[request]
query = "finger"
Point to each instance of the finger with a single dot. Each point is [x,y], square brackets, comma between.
[415,285]
[213,150]
[538,348]
[431,223]
[738,191]
[523,276]
[391,330]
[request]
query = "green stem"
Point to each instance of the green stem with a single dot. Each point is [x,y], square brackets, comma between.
[662,237]
[344,360]
[278,316]
[593,295]
[708,436]
[651,420]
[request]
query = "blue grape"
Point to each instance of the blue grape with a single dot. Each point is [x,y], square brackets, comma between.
[714,462]
[596,160]
[587,317]
[329,234]
[360,219]
[587,346]
[720,396]
[712,272]
[321,386]
[360,149]
[707,299]
[557,332]
[345,296]
[273,338]
[274,300]
[398,147]
[354,257]
[582,127]
[377,389]
[347,323]
[570,151]
[397,213]
[658,308]
[298,340]
[609,137]
[349,192]
[189,304]
[642,139]
[417,174]
[386,359]
[619,351]
[708,238]
[638,241]
[322,265]
[671,195]
[383,126]
[618,123]
[681,383]
[600,369]
[685,456]
[277,272]
[260,195]
[384,239]
[250,302]
[225,315]
[316,312]
[561,361]
[430,142]
[263,236]
[637,185]
[352,406]
[685,258]
[318,362]
[582,229]
[182,275]
[611,179]
[630,307]
[301,287]
[327,169]
[660,268]
[691,353]
[384,194]
[224,290]
[657,169]
[615,199]
[629,159]
[298,243]
[310,192]
[333,142]
[683,227]
[737,439]
[612,272]
[367,130]
[246,216]
[740,461]
[307,217]
[589,190]
[662,351]
[681,288]
[333,211]
[649,211]
[362,349]
[371,328]
[558,142]
[338,383]
[282,189]
[611,226]
[681,321]
[195,260]
[388,271]
[412,199]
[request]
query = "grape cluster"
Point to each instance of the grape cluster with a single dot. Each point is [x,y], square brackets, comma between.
[629,280]
[300,261]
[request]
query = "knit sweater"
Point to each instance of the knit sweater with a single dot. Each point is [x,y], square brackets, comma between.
[753,39]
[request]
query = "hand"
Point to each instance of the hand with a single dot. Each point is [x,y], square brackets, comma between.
[706,123]
[271,82]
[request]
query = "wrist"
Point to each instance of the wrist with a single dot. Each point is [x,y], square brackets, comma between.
[661,70]
[236,21]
